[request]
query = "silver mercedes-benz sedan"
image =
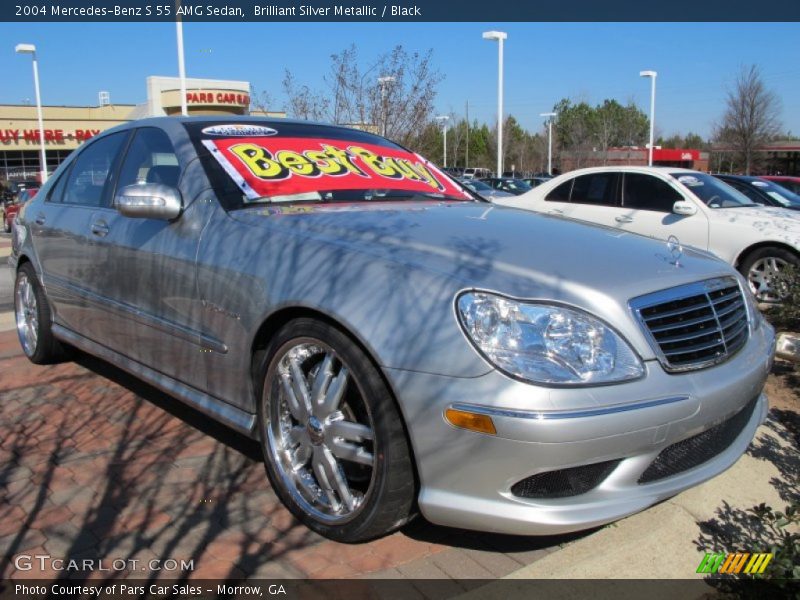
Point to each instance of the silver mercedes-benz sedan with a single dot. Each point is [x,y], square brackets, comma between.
[394,344]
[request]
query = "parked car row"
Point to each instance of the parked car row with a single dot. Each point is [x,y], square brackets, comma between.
[762,191]
[790,183]
[397,344]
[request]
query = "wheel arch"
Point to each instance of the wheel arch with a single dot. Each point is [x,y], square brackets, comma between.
[765,244]
[23,258]
[272,324]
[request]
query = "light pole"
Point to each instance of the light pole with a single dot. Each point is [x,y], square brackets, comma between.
[444,119]
[500,36]
[383,82]
[652,75]
[181,66]
[31,49]
[549,116]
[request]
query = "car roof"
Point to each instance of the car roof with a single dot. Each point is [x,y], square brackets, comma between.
[632,169]
[737,177]
[782,177]
[167,122]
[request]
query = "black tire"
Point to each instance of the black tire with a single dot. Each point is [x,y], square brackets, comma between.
[757,257]
[388,499]
[46,349]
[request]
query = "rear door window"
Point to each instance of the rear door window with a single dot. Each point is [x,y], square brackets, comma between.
[560,193]
[595,188]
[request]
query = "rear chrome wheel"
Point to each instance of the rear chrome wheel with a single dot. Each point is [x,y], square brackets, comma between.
[32,312]
[333,440]
[27,314]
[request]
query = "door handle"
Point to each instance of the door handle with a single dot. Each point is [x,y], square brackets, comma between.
[100,228]
[623,219]
[556,211]
[40,219]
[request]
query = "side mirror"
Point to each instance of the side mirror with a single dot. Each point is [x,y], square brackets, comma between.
[149,201]
[684,208]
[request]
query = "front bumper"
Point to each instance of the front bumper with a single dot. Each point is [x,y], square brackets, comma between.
[466,477]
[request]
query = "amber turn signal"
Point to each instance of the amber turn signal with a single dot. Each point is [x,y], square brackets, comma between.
[470,420]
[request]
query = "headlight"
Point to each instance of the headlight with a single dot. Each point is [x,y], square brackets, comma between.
[543,343]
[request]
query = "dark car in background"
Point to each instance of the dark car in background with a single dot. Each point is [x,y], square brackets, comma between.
[761,191]
[484,190]
[789,182]
[509,185]
[534,181]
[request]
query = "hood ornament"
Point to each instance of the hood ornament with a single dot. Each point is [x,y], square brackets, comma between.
[675,249]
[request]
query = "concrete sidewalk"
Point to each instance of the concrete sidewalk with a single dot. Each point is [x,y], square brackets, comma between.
[7,321]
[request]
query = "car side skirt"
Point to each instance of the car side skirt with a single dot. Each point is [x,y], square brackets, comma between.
[235,418]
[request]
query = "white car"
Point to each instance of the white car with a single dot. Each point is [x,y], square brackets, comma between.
[696,208]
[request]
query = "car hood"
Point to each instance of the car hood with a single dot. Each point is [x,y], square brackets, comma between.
[770,220]
[395,258]
[481,245]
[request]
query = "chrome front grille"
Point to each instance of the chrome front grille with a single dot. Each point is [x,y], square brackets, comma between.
[695,325]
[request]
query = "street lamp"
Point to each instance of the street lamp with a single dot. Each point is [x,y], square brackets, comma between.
[181,66]
[500,36]
[652,75]
[383,82]
[31,49]
[549,116]
[444,119]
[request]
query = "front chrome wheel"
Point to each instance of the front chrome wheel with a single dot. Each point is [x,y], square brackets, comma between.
[27,314]
[763,277]
[320,433]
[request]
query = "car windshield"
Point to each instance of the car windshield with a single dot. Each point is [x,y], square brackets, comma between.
[778,193]
[476,186]
[712,191]
[298,162]
[516,184]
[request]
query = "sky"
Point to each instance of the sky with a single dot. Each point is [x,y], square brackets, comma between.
[544,62]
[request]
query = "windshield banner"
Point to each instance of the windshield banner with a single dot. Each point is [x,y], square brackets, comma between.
[285,166]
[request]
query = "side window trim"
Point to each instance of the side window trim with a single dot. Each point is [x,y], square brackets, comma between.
[107,199]
[123,154]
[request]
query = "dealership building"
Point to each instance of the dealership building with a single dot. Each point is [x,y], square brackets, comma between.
[67,127]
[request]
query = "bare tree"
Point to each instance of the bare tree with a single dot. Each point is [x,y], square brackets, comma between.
[304,103]
[750,118]
[353,96]
[260,100]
